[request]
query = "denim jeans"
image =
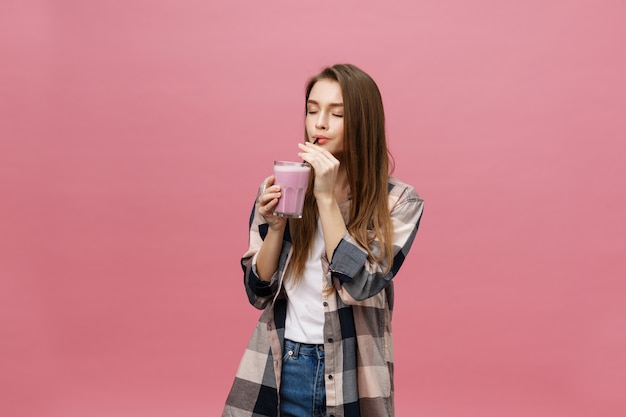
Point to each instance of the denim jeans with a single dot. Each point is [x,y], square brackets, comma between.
[302,389]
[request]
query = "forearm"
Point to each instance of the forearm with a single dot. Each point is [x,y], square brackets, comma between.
[363,277]
[333,226]
[269,253]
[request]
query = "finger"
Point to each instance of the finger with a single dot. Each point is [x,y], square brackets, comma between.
[269,181]
[272,190]
[320,163]
[267,198]
[311,153]
[267,209]
[319,149]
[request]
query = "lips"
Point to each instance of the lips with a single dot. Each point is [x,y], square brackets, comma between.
[320,140]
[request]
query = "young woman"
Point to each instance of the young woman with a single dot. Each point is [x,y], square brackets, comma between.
[322,346]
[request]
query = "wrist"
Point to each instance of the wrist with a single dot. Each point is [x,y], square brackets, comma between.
[277,227]
[326,201]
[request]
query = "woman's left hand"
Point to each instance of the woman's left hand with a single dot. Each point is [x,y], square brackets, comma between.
[325,167]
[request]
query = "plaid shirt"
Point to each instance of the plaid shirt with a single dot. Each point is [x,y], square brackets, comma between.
[357,330]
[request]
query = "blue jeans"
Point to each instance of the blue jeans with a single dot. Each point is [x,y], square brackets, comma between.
[302,389]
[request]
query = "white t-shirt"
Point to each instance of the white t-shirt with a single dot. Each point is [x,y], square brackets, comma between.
[305,312]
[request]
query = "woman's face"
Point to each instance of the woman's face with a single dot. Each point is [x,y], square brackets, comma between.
[324,116]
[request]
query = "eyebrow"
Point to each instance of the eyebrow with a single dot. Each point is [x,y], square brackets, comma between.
[331,104]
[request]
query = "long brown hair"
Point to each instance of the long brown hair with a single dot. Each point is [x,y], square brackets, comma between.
[367,163]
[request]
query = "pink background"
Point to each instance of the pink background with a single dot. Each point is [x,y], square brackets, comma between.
[133,136]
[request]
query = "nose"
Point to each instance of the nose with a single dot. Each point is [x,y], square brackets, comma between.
[322,121]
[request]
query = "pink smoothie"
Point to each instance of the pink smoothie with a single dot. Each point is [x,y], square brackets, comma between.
[293,178]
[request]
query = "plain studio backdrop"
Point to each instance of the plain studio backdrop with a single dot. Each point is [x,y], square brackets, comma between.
[134,135]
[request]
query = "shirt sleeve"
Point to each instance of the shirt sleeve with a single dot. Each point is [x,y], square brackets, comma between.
[359,277]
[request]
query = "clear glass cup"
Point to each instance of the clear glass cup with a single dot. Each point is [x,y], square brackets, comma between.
[293,178]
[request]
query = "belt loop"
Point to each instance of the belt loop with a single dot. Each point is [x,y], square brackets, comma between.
[296,350]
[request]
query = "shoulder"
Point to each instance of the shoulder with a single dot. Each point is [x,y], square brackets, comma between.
[401,192]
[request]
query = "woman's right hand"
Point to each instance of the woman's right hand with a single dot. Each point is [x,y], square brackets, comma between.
[267,203]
